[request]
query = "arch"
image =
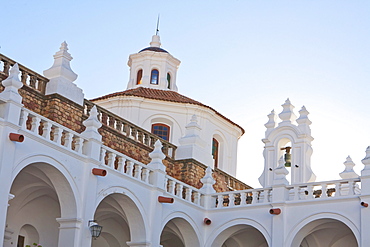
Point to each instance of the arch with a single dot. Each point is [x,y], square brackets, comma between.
[179,230]
[219,161]
[234,232]
[309,230]
[154,77]
[60,178]
[176,131]
[43,193]
[139,77]
[169,80]
[118,208]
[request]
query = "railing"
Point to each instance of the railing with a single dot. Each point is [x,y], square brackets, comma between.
[242,198]
[125,165]
[182,190]
[324,190]
[130,130]
[51,131]
[28,77]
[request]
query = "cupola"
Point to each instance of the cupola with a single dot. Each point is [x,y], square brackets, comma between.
[153,67]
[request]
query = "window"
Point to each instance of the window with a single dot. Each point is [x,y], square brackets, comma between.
[161,130]
[215,151]
[20,242]
[139,77]
[154,77]
[168,81]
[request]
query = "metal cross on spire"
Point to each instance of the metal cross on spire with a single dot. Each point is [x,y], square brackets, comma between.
[157,30]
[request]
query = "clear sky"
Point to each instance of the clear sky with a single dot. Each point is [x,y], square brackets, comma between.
[241,57]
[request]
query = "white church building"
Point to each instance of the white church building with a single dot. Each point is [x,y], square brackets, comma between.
[150,167]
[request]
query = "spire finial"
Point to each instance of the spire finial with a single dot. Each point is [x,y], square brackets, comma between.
[157,30]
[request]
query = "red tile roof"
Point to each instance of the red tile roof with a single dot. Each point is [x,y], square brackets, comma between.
[157,94]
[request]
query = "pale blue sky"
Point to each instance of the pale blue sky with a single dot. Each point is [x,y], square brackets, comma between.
[243,58]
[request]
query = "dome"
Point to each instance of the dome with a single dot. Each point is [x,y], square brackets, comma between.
[153,48]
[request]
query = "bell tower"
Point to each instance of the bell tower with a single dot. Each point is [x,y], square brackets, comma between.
[153,67]
[290,140]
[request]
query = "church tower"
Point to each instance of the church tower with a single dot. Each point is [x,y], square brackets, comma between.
[153,67]
[289,141]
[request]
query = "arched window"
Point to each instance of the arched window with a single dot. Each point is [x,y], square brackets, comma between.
[168,81]
[154,77]
[161,130]
[139,77]
[215,146]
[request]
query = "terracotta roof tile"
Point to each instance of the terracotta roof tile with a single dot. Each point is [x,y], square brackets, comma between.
[157,94]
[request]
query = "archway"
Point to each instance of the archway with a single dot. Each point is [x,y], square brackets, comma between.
[42,195]
[179,233]
[325,233]
[239,235]
[121,220]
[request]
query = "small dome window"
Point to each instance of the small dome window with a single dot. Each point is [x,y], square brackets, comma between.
[168,81]
[161,130]
[139,77]
[154,77]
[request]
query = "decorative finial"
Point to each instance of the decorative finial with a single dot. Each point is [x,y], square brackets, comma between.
[12,84]
[272,118]
[348,171]
[208,181]
[157,156]
[287,115]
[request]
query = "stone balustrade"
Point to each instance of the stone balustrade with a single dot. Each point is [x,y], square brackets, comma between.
[242,198]
[324,190]
[183,191]
[125,165]
[28,77]
[51,131]
[130,130]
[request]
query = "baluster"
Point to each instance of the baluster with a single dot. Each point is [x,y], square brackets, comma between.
[6,67]
[33,81]
[188,191]
[68,140]
[129,168]
[23,120]
[24,77]
[137,172]
[46,130]
[309,192]
[35,124]
[166,185]
[140,136]
[57,135]
[179,190]
[41,86]
[133,133]
[171,187]
[103,152]
[165,148]
[146,139]
[231,200]
[337,189]
[170,151]
[254,197]
[111,159]
[121,166]
[265,195]
[296,193]
[127,129]
[111,121]
[351,185]
[119,125]
[324,193]
[243,198]
[145,175]
[78,144]
[220,199]
[104,118]
[196,198]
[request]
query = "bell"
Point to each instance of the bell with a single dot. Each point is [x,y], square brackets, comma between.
[288,159]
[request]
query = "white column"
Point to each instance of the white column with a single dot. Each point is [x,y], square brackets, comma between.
[69,231]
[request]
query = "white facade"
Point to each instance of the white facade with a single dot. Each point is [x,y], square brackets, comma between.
[144,111]
[50,191]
